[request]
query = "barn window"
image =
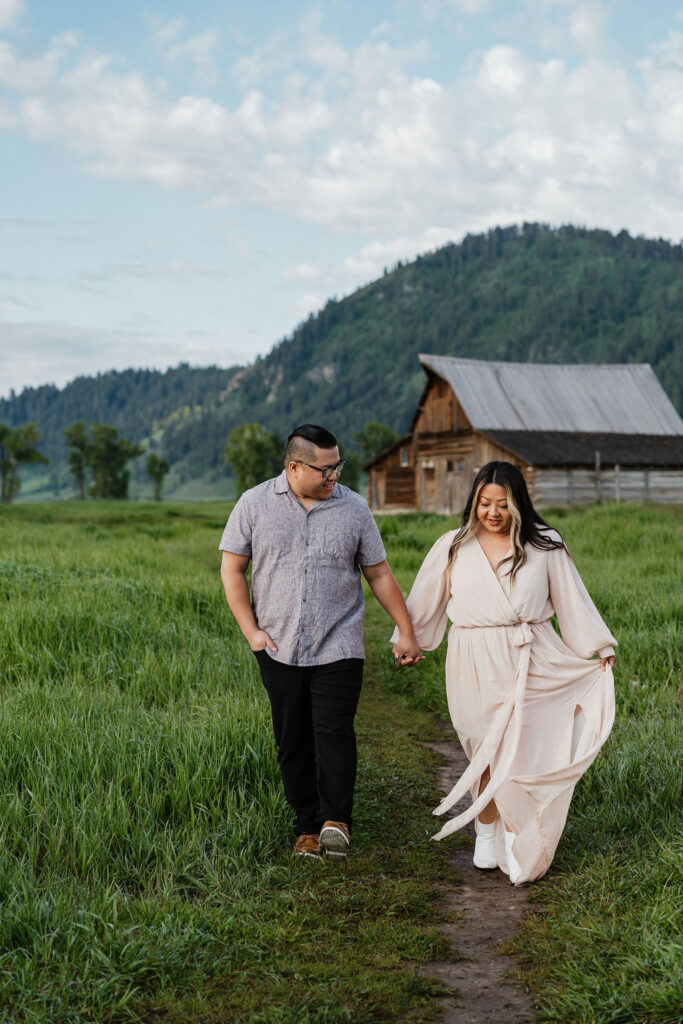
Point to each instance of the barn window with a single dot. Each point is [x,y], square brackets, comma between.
[460,466]
[405,456]
[449,466]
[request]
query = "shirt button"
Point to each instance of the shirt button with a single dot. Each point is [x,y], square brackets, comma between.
[304,600]
[305,571]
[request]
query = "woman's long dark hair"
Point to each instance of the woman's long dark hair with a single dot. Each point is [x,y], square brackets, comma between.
[527,526]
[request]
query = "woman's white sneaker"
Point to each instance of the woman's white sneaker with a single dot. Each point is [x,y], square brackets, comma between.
[514,870]
[485,847]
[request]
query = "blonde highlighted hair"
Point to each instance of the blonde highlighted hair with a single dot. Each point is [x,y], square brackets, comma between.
[527,526]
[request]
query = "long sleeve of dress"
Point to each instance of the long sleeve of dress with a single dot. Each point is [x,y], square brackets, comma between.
[429,596]
[580,623]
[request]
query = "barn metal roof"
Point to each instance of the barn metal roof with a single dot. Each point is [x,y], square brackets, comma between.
[579,449]
[602,399]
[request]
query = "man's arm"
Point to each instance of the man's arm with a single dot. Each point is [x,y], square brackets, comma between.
[234,576]
[382,583]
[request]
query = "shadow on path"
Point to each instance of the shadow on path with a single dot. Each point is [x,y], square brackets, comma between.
[485,911]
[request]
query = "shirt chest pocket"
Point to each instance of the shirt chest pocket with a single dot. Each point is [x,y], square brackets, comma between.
[333,549]
[283,543]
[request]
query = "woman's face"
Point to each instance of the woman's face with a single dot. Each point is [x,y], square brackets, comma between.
[492,509]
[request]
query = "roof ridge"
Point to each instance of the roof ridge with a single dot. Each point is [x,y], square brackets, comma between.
[537,366]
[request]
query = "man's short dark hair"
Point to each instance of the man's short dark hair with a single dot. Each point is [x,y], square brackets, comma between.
[302,439]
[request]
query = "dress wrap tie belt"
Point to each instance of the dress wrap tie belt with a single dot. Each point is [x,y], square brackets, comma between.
[509,714]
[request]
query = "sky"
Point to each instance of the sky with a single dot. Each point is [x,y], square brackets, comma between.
[188,182]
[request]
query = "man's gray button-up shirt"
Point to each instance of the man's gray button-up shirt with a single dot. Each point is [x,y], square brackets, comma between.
[306,582]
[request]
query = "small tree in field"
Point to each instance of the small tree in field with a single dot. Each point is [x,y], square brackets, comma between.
[254,453]
[79,453]
[107,459]
[17,448]
[157,469]
[374,438]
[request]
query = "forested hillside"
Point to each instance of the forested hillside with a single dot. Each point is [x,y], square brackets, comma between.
[139,403]
[526,293]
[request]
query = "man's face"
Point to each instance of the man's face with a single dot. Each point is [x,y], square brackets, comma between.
[308,482]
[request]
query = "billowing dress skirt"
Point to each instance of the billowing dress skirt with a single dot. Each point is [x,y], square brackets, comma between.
[531,706]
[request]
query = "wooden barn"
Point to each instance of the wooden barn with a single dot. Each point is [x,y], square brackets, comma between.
[579,433]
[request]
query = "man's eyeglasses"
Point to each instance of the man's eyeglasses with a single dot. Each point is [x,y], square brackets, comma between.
[326,470]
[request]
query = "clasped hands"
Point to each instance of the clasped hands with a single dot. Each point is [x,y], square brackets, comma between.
[406,651]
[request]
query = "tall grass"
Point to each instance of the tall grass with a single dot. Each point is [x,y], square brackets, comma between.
[605,941]
[137,769]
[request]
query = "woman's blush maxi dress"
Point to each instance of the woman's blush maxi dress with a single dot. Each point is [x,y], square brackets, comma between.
[532,706]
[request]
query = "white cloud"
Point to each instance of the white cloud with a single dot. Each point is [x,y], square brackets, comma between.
[200,51]
[10,11]
[33,75]
[375,257]
[35,353]
[305,272]
[321,50]
[384,28]
[368,263]
[273,57]
[503,71]
[587,24]
[470,7]
[363,143]
[309,303]
[164,32]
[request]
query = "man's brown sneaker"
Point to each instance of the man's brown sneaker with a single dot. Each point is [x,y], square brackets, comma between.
[334,840]
[307,846]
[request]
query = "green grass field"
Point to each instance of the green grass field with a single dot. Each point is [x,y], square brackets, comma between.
[145,871]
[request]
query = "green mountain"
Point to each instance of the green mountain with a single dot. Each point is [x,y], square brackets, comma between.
[527,293]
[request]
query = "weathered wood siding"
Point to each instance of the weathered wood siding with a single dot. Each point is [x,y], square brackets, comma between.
[441,412]
[391,482]
[446,465]
[577,486]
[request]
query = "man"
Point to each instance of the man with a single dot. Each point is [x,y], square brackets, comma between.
[308,539]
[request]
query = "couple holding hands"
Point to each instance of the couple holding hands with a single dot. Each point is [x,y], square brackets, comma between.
[531,709]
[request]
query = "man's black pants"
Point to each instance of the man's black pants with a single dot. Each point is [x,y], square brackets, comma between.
[313,710]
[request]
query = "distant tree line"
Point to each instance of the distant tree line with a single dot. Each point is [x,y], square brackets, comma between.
[99,454]
[96,453]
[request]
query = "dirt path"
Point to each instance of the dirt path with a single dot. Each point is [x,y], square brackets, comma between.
[486,911]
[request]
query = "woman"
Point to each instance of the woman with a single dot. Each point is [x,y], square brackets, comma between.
[531,710]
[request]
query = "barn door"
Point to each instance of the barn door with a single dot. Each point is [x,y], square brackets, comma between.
[428,487]
[461,485]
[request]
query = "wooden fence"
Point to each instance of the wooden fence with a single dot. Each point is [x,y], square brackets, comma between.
[583,486]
